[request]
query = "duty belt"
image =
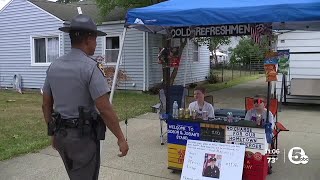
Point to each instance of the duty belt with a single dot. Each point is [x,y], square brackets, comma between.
[70,123]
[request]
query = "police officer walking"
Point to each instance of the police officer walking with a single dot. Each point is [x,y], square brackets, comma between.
[76,104]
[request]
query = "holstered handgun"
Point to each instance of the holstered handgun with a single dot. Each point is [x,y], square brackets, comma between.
[90,120]
[85,121]
[99,126]
[52,125]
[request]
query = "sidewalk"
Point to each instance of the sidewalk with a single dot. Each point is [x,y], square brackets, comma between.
[234,97]
[147,159]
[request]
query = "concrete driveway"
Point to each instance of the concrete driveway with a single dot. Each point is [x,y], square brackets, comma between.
[147,159]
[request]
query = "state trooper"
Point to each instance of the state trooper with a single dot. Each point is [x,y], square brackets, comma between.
[74,81]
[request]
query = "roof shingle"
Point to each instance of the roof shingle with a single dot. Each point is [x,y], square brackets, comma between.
[66,12]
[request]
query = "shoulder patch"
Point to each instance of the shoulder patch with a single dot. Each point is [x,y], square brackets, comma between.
[100,66]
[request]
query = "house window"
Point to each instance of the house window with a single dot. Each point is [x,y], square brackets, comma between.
[45,49]
[195,52]
[112,49]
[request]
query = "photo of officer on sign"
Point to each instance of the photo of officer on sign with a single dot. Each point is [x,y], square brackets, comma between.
[211,168]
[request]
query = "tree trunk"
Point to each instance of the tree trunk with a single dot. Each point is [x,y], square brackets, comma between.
[165,43]
[215,57]
[175,70]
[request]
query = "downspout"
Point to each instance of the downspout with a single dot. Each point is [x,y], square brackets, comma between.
[144,60]
[147,61]
[62,44]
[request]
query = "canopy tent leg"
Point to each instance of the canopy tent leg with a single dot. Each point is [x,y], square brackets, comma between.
[185,66]
[268,101]
[117,66]
[167,72]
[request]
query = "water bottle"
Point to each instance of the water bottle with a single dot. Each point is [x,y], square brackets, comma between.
[230,117]
[175,110]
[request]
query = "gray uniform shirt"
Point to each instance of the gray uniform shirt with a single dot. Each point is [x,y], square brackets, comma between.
[74,80]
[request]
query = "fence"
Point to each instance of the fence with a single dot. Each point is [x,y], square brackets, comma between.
[225,72]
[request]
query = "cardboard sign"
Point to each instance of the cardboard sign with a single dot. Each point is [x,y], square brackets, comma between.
[253,138]
[211,160]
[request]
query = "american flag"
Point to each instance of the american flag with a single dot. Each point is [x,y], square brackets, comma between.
[256,32]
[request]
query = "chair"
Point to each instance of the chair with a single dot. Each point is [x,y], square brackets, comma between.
[176,93]
[249,104]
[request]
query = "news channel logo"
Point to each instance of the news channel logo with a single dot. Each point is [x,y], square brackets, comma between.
[297,155]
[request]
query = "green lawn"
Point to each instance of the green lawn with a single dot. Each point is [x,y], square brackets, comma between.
[230,83]
[23,129]
[228,75]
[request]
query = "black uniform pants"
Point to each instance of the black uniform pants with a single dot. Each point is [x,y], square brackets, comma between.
[80,154]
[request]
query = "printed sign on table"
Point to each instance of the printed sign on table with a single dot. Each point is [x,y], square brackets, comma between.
[211,160]
[253,138]
[179,132]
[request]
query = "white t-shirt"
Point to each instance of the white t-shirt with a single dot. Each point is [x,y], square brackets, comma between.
[252,113]
[206,107]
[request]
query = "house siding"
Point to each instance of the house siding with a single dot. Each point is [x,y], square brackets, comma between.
[302,65]
[195,71]
[15,50]
[155,69]
[66,43]
[15,40]
[132,54]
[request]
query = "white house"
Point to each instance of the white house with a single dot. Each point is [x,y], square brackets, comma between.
[30,41]
[221,57]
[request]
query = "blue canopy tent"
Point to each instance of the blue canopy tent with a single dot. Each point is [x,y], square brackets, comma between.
[165,16]
[282,14]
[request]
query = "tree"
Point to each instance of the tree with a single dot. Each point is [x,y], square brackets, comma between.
[107,6]
[214,43]
[67,1]
[182,44]
[247,48]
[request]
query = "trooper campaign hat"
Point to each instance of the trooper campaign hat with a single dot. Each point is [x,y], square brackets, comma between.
[82,22]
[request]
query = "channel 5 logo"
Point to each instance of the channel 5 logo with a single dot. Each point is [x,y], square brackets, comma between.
[297,155]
